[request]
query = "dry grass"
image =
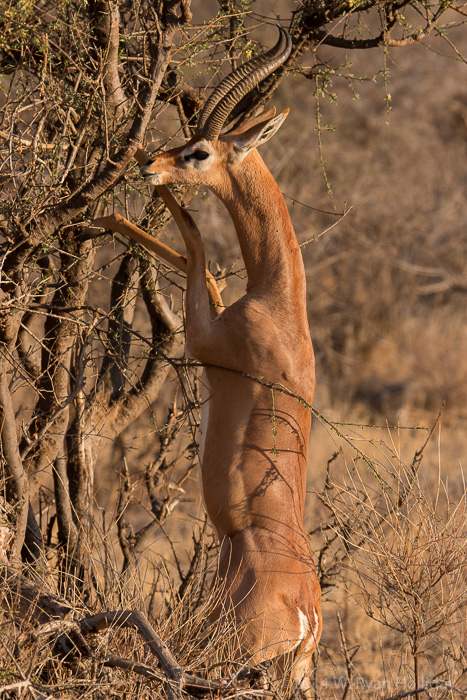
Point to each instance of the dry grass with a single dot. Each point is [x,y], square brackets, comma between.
[390,540]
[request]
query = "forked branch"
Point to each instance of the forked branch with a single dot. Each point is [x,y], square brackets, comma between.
[175,674]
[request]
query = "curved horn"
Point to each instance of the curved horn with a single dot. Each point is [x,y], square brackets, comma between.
[238,83]
[238,74]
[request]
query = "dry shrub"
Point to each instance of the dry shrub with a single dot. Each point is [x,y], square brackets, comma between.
[396,547]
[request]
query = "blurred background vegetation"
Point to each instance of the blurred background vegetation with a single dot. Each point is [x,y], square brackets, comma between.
[100,506]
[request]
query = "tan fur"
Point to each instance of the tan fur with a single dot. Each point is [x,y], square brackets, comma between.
[255,442]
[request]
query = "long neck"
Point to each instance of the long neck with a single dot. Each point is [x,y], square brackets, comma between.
[267,240]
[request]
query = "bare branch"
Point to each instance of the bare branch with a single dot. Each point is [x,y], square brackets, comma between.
[123,301]
[16,479]
[107,29]
[176,676]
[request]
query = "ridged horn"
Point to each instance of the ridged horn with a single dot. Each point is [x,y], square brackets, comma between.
[237,84]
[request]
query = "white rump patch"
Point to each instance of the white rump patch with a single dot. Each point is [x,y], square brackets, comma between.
[316,627]
[306,628]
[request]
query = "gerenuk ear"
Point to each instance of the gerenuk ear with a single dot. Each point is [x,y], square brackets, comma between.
[255,136]
[266,114]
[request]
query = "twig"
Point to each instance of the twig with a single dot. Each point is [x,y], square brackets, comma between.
[143,669]
[193,685]
[348,658]
[29,142]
